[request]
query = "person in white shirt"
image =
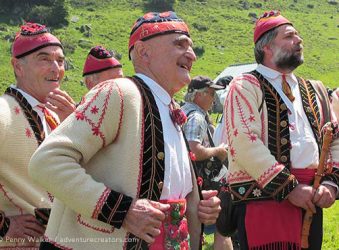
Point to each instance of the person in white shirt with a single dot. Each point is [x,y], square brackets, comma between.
[119,165]
[30,110]
[273,123]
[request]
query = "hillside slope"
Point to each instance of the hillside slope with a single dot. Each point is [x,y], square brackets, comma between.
[221,28]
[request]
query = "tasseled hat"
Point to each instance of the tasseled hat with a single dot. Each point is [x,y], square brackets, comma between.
[32,37]
[99,59]
[268,21]
[153,24]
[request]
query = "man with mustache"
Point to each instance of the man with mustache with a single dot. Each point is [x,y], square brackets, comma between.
[273,124]
[119,166]
[30,110]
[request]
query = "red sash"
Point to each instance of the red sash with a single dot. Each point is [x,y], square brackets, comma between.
[174,229]
[276,225]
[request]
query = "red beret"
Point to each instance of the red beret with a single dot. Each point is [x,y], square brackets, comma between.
[99,59]
[153,24]
[32,37]
[268,21]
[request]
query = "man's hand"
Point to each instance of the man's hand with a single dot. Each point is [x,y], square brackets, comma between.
[144,219]
[61,103]
[302,196]
[24,226]
[221,152]
[209,207]
[324,196]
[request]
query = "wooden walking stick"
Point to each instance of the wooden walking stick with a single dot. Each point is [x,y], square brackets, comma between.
[327,138]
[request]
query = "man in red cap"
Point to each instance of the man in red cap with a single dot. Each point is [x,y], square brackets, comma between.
[120,168]
[30,110]
[273,124]
[100,65]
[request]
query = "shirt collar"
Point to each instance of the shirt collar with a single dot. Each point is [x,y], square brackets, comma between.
[30,99]
[274,75]
[194,106]
[156,89]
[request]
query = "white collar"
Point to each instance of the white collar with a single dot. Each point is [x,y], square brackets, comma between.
[274,75]
[30,99]
[156,89]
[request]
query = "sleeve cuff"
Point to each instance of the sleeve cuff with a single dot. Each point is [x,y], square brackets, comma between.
[112,208]
[4,224]
[281,185]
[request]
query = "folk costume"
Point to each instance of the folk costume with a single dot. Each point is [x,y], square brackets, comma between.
[274,144]
[23,126]
[120,144]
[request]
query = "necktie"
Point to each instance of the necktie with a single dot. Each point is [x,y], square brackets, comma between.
[51,121]
[287,89]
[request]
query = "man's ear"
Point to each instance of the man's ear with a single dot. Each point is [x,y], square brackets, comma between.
[268,50]
[142,50]
[17,66]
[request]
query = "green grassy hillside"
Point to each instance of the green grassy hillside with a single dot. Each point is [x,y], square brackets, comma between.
[223,29]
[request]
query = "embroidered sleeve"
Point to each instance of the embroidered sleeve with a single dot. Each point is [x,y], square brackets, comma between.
[4,224]
[281,185]
[112,208]
[246,130]
[60,164]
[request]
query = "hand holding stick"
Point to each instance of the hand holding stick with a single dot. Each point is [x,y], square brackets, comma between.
[327,139]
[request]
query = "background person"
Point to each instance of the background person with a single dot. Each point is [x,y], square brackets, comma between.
[199,100]
[100,65]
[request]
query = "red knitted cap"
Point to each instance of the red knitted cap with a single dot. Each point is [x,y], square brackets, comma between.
[32,37]
[153,24]
[268,21]
[99,59]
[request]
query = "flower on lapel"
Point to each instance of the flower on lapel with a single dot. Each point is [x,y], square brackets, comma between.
[178,116]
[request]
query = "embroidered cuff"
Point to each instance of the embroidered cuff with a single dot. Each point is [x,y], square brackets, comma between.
[113,209]
[281,185]
[4,224]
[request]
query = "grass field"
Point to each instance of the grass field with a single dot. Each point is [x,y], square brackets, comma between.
[331,230]
[220,29]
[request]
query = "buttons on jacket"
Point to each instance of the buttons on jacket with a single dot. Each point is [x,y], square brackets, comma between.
[160,185]
[161,155]
[283,158]
[283,124]
[283,106]
[284,141]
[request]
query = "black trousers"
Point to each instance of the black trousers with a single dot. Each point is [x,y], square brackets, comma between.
[316,231]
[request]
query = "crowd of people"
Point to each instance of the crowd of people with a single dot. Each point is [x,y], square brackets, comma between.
[128,168]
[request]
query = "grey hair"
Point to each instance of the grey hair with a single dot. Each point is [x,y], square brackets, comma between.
[266,39]
[189,97]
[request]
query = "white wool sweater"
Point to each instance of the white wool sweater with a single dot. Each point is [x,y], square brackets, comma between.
[18,193]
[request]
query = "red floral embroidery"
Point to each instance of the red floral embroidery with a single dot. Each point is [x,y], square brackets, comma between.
[17,110]
[252,118]
[94,110]
[96,131]
[235,133]
[28,133]
[253,137]
[79,115]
